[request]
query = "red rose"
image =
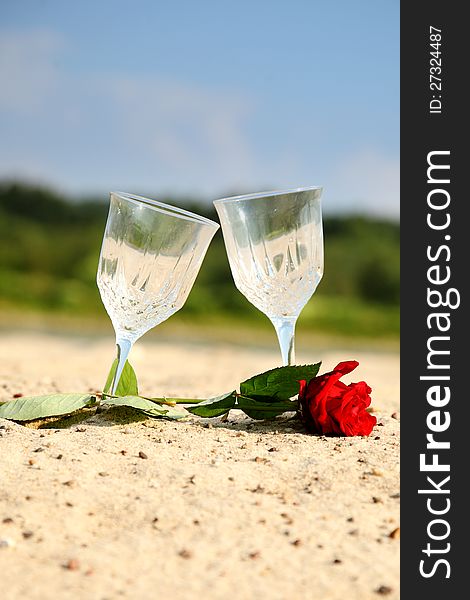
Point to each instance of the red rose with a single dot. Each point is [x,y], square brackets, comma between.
[329,406]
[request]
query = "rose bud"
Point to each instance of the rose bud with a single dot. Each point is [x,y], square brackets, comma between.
[328,406]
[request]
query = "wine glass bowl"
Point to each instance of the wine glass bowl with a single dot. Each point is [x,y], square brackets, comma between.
[149,260]
[274,244]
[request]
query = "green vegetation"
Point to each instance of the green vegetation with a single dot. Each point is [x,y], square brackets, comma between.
[49,248]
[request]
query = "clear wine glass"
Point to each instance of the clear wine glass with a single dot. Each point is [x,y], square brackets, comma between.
[274,243]
[150,257]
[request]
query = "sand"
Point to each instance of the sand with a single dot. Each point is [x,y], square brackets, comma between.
[150,509]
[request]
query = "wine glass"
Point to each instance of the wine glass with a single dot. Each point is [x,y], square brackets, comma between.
[150,257]
[274,243]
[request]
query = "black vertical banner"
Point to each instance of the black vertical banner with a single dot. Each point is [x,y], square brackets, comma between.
[435,324]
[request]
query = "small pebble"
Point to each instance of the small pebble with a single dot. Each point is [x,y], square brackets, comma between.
[142,454]
[254,555]
[377,472]
[395,534]
[7,520]
[72,565]
[103,474]
[18,395]
[377,500]
[184,553]
[354,532]
[31,462]
[70,483]
[288,519]
[273,449]
[39,450]
[27,534]
[124,452]
[80,429]
[337,561]
[396,416]
[296,542]
[383,590]
[59,456]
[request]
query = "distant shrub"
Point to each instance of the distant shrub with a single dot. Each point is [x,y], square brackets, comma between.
[379,280]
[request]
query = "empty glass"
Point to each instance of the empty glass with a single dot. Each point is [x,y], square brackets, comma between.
[274,243]
[150,257]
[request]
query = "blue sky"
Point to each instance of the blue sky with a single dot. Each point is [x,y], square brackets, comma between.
[203,98]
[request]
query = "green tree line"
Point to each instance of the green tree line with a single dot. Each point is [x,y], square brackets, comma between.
[49,248]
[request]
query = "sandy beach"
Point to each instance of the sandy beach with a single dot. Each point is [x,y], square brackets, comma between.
[151,509]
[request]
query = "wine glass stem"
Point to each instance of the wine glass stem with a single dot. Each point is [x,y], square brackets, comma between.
[123,348]
[285,329]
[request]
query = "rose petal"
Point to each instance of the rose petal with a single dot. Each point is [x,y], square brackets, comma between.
[346,366]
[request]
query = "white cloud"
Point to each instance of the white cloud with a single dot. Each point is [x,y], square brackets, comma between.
[28,74]
[185,130]
[368,182]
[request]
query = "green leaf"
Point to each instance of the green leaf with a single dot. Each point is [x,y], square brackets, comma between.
[49,405]
[264,409]
[281,383]
[214,407]
[127,384]
[148,407]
